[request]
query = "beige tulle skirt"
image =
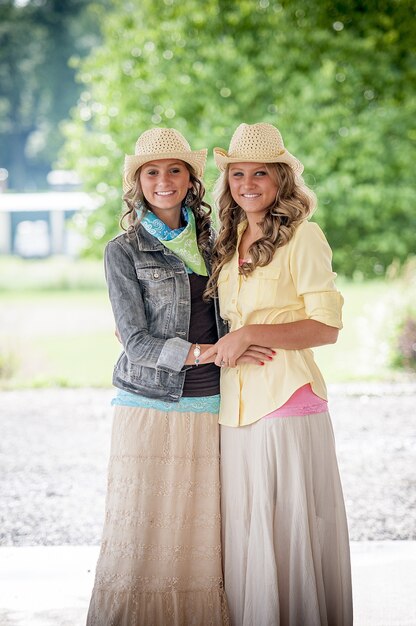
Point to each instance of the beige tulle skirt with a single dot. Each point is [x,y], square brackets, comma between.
[285,537]
[160,558]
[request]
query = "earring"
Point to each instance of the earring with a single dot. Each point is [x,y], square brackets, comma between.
[141,208]
[189,198]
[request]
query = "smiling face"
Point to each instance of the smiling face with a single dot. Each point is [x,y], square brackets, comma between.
[165,183]
[252,188]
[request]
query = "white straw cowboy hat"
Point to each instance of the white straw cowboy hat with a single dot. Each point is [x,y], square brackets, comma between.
[256,143]
[161,143]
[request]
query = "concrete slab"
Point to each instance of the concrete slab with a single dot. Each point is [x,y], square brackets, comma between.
[384,583]
[51,586]
[46,586]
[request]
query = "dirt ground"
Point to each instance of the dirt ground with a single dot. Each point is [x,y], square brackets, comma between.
[54,449]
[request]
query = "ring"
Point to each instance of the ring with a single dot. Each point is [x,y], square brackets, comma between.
[222,363]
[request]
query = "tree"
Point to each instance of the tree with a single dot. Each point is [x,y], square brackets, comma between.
[337,79]
[37,85]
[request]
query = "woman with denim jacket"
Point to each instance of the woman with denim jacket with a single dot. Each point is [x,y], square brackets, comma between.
[285,536]
[160,558]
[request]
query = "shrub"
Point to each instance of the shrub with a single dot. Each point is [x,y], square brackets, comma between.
[402,315]
[405,354]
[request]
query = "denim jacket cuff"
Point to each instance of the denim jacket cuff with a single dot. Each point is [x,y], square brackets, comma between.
[173,354]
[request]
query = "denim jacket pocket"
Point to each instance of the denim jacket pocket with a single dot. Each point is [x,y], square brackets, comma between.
[157,283]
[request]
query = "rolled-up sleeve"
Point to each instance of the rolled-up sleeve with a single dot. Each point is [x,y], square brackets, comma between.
[311,268]
[325,307]
[173,354]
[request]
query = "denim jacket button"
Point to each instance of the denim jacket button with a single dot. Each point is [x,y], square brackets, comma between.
[156,275]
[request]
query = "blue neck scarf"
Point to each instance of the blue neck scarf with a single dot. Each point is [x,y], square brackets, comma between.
[181,241]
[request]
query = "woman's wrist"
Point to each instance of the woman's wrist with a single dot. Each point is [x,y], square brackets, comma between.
[197,353]
[247,336]
[197,349]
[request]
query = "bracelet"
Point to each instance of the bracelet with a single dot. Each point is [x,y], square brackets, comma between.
[197,353]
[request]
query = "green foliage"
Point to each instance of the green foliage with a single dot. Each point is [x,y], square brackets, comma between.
[337,79]
[37,86]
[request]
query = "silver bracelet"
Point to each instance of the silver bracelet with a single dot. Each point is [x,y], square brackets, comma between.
[197,353]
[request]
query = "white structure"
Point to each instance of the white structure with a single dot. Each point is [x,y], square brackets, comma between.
[35,224]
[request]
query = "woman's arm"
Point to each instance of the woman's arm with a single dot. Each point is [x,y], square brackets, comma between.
[254,354]
[290,336]
[127,303]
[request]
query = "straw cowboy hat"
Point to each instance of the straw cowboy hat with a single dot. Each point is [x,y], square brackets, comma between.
[161,143]
[256,143]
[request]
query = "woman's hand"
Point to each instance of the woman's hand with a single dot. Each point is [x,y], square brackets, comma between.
[235,348]
[256,355]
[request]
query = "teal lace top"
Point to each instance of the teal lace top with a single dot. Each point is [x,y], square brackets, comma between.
[207,404]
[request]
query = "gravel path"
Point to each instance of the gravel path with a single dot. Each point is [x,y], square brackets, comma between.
[55,443]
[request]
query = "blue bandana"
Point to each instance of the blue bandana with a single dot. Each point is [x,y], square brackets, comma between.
[181,241]
[159,229]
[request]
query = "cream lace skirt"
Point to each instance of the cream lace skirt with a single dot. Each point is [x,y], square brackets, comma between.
[285,537]
[160,558]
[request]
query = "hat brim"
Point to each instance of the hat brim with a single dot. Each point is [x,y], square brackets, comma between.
[196,158]
[222,159]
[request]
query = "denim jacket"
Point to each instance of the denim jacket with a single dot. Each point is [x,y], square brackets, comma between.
[150,296]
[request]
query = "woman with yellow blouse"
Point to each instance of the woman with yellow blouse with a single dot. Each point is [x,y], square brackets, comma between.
[285,536]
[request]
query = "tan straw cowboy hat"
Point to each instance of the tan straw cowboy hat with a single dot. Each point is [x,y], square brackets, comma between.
[256,143]
[161,143]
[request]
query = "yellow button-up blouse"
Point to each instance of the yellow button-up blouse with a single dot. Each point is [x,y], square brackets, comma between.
[297,284]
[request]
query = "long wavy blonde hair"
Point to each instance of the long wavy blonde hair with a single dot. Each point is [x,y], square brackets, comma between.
[134,198]
[294,203]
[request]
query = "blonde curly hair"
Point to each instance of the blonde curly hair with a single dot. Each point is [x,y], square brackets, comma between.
[134,198]
[294,203]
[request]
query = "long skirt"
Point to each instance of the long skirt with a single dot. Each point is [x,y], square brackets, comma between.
[285,536]
[160,558]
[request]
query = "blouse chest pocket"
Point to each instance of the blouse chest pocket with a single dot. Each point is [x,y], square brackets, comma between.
[266,287]
[157,284]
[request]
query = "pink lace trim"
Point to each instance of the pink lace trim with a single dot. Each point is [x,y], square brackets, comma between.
[303,402]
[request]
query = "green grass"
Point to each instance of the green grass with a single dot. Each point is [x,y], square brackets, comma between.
[57,328]
[57,273]
[61,338]
[359,353]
